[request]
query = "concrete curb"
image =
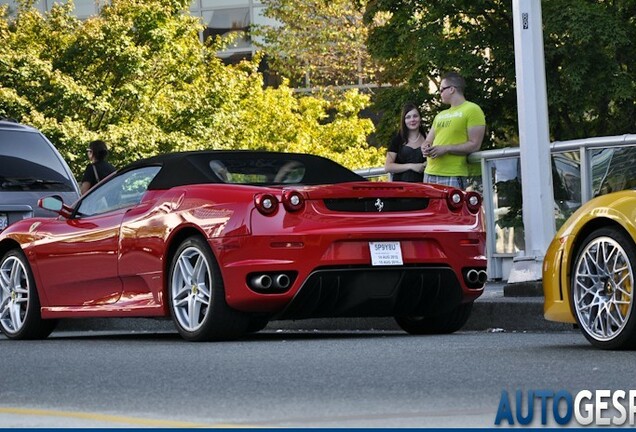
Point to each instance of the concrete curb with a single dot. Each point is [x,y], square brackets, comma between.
[491,312]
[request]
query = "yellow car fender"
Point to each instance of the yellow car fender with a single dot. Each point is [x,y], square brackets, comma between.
[616,209]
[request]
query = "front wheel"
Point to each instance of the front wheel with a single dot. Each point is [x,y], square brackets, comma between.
[445,323]
[20,316]
[602,289]
[197,296]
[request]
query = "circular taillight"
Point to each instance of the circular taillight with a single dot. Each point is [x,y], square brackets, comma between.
[293,201]
[266,203]
[455,199]
[473,201]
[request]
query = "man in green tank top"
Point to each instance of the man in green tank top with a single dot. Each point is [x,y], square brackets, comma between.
[456,132]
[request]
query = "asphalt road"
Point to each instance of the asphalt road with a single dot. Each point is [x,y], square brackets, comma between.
[291,379]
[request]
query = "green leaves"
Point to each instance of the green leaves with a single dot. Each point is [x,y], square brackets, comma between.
[320,43]
[591,61]
[423,40]
[589,55]
[138,77]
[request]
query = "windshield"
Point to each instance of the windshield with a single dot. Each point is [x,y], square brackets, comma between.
[28,162]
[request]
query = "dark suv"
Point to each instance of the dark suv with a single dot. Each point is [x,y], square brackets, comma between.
[30,168]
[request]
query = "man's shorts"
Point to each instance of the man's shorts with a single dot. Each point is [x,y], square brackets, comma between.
[455,181]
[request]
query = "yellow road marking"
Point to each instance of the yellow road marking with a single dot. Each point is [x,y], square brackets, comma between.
[114,418]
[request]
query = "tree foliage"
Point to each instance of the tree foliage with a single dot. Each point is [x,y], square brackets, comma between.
[590,67]
[323,42]
[138,77]
[422,40]
[589,55]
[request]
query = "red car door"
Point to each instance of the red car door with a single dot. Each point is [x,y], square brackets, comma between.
[141,257]
[77,261]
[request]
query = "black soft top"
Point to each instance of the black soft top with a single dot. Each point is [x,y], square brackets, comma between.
[244,167]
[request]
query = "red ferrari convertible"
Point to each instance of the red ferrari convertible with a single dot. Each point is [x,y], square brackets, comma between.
[225,241]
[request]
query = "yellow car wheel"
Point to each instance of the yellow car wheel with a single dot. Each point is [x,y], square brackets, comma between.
[602,289]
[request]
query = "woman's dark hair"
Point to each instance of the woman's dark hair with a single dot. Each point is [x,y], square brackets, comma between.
[404,131]
[99,149]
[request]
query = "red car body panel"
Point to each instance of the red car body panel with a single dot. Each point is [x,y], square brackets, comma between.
[116,264]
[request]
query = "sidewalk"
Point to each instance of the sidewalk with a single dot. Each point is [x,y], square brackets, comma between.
[492,311]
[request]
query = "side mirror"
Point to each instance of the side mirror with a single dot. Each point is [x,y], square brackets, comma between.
[53,203]
[56,204]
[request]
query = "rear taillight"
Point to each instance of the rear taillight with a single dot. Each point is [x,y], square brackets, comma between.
[266,203]
[455,199]
[473,202]
[293,201]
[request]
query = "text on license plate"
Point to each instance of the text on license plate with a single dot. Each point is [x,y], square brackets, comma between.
[385,253]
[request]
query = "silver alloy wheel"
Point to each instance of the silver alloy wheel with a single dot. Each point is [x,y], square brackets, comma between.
[14,294]
[603,286]
[191,288]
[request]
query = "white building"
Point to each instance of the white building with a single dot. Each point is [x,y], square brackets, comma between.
[219,16]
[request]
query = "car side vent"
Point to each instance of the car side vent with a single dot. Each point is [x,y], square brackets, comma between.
[375,205]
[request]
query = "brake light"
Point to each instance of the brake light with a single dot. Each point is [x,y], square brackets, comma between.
[266,203]
[293,201]
[473,202]
[455,199]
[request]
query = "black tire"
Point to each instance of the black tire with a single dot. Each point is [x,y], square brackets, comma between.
[256,324]
[602,289]
[445,323]
[20,316]
[196,296]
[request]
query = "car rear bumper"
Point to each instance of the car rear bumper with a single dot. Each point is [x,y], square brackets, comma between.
[333,276]
[394,291]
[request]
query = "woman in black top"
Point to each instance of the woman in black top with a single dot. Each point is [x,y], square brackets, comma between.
[99,168]
[404,158]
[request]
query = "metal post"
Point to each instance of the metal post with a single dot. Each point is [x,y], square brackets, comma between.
[534,143]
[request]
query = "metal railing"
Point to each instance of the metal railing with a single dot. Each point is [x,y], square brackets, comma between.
[581,170]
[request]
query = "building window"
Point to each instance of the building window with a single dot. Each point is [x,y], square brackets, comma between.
[222,3]
[83,8]
[222,22]
[220,17]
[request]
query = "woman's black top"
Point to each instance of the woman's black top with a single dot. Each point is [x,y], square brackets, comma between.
[103,169]
[406,154]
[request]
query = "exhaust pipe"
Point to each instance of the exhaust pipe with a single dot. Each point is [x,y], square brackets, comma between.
[483,277]
[261,282]
[472,276]
[281,281]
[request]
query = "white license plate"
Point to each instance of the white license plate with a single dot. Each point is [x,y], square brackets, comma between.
[385,253]
[4,221]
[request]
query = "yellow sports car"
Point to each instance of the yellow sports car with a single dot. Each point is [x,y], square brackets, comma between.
[588,271]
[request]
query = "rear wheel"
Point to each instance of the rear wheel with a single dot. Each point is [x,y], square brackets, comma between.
[197,296]
[20,316]
[445,323]
[256,324]
[602,289]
